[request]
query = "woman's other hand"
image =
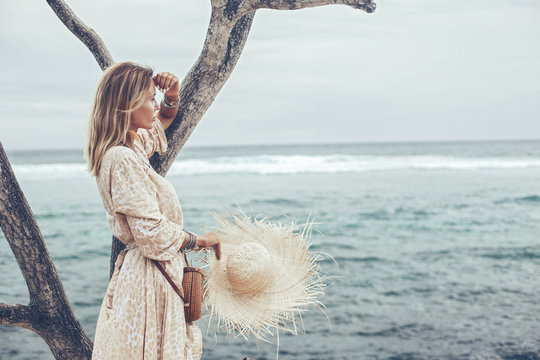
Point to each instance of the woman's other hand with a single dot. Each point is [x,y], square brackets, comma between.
[211,240]
[168,84]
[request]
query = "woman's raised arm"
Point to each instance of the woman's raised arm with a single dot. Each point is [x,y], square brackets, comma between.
[169,85]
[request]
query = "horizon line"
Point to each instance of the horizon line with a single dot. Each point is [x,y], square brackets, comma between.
[403,142]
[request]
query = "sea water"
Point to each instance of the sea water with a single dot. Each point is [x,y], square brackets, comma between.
[436,245]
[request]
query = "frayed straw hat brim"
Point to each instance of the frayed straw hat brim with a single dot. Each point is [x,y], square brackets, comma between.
[294,283]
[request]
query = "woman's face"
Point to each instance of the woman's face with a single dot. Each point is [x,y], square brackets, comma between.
[143,115]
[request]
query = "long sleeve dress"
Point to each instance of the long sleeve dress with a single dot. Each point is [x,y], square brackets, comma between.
[141,316]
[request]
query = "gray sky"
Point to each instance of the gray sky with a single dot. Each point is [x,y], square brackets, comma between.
[413,70]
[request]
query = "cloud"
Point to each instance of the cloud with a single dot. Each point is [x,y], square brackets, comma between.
[419,70]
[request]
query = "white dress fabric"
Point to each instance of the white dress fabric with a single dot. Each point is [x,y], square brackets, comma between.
[141,316]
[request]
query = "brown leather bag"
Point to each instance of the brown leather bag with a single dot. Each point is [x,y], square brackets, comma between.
[192,285]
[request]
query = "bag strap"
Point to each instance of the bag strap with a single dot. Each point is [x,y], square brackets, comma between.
[175,288]
[185,258]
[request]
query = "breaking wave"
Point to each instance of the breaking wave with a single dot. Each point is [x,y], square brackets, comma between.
[295,164]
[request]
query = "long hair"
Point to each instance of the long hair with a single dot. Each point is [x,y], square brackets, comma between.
[120,91]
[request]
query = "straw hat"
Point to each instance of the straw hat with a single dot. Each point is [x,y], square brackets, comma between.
[265,278]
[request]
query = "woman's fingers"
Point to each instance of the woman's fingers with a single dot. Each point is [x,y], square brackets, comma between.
[173,88]
[211,240]
[216,244]
[165,81]
[158,81]
[217,249]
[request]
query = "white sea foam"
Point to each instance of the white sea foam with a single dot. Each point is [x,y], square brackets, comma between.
[50,171]
[295,164]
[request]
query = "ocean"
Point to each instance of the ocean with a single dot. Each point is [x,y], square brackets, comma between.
[436,245]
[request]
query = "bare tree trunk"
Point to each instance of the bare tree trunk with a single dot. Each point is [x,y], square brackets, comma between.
[49,313]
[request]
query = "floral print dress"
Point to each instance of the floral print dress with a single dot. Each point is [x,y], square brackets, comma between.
[141,316]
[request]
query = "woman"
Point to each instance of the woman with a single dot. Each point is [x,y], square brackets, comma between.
[141,316]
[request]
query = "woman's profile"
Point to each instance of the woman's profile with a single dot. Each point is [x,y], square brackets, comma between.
[141,316]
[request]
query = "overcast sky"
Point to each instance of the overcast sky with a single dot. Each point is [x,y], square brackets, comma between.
[413,70]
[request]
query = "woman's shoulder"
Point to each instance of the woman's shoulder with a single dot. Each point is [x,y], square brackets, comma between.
[118,152]
[117,156]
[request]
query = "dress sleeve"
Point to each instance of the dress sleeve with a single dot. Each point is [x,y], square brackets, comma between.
[135,196]
[154,139]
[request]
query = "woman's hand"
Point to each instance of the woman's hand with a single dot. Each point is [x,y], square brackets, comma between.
[168,84]
[211,240]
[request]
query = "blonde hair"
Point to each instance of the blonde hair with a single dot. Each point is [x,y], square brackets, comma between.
[120,91]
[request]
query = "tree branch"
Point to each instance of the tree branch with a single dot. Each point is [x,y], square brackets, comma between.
[87,35]
[15,315]
[250,5]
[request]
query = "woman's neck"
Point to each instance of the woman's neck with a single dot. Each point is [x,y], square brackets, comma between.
[132,136]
